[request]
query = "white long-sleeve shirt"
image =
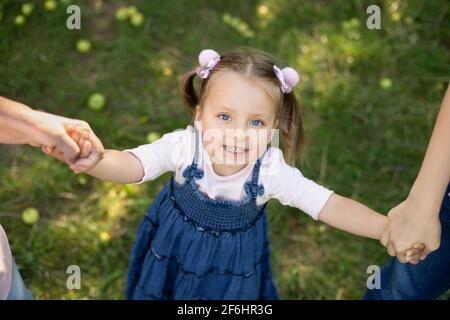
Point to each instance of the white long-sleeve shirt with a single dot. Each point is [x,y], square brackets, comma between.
[174,151]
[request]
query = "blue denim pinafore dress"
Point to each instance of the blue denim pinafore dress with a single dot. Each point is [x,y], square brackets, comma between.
[189,246]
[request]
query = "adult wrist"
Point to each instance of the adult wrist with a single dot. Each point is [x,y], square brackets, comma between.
[425,205]
[13,119]
[26,123]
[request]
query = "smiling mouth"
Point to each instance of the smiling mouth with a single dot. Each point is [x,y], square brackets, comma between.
[235,150]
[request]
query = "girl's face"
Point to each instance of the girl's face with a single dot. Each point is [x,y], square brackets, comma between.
[237,121]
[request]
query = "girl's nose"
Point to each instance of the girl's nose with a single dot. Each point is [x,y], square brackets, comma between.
[237,133]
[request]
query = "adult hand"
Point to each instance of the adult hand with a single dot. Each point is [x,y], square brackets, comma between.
[412,222]
[20,124]
[52,132]
[91,149]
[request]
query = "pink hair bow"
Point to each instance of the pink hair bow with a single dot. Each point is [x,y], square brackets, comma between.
[288,78]
[208,59]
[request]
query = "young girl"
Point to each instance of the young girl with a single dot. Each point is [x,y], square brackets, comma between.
[205,236]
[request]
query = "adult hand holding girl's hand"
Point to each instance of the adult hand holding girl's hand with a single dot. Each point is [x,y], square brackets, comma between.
[20,124]
[412,222]
[91,149]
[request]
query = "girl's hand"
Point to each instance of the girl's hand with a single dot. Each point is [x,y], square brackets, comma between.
[412,255]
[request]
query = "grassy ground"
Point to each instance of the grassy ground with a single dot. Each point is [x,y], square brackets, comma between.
[369,100]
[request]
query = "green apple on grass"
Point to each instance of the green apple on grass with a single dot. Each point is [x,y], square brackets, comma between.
[19,20]
[386,83]
[30,216]
[132,13]
[137,19]
[122,14]
[27,8]
[153,136]
[50,5]
[131,10]
[83,45]
[96,102]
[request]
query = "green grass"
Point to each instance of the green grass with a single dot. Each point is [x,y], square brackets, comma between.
[363,141]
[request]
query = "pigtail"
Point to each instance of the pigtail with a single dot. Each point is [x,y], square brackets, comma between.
[187,90]
[291,128]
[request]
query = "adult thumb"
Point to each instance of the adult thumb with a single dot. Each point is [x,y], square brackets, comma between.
[69,148]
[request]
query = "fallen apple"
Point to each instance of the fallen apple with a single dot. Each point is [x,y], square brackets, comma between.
[83,45]
[27,8]
[96,102]
[30,216]
[50,5]
[19,20]
[137,19]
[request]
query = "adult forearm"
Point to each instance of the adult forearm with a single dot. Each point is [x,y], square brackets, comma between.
[434,175]
[13,123]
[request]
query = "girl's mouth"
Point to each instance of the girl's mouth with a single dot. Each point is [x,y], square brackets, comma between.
[234,150]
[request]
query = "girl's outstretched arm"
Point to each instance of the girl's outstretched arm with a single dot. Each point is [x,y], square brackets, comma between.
[119,167]
[351,216]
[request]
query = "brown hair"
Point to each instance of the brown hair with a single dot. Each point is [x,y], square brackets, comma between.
[259,65]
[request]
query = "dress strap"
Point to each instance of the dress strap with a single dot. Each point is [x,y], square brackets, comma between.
[252,188]
[192,170]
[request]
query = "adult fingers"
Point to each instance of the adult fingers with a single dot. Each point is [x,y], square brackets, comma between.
[68,147]
[57,155]
[96,143]
[86,149]
[69,129]
[401,257]
[83,126]
[81,141]
[412,252]
[425,253]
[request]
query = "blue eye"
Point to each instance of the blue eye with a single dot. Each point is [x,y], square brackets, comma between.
[256,123]
[224,117]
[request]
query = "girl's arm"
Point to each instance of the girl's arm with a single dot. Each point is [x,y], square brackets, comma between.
[146,162]
[119,167]
[351,216]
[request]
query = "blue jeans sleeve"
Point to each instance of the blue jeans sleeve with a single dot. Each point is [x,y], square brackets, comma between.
[18,289]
